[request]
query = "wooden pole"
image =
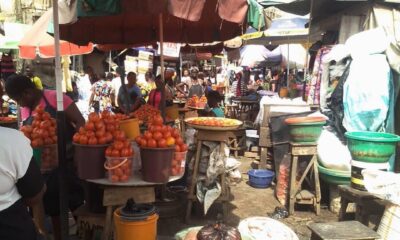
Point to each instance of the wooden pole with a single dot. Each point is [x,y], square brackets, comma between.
[161,32]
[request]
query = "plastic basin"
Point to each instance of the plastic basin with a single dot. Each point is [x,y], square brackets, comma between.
[305,129]
[372,147]
[260,178]
[335,177]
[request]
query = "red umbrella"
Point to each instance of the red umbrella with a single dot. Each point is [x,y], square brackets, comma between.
[187,21]
[37,42]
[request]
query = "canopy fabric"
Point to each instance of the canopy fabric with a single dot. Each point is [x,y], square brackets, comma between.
[37,42]
[138,24]
[255,15]
[257,55]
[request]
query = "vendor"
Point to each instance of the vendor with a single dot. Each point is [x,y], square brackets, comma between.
[196,88]
[21,186]
[213,108]
[155,94]
[21,89]
[130,96]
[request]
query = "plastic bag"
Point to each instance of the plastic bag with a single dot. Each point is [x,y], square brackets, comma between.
[218,231]
[384,184]
[332,153]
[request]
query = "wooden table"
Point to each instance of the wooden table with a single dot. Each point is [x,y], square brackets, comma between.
[350,230]
[222,137]
[116,194]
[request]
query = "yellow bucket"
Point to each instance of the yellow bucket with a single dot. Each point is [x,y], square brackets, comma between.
[130,127]
[140,229]
[172,112]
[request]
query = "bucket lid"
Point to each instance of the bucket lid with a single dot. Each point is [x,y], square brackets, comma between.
[136,212]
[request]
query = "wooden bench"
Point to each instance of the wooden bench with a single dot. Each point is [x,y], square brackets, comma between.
[349,230]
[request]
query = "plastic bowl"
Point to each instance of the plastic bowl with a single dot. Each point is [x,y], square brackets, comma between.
[260,178]
[336,177]
[372,147]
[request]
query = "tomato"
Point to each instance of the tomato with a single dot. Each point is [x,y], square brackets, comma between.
[83,139]
[89,126]
[108,136]
[127,144]
[170,141]
[157,128]
[151,143]
[184,147]
[138,139]
[35,123]
[125,152]
[99,125]
[114,178]
[115,153]
[164,129]
[148,135]
[110,127]
[54,139]
[175,133]
[177,148]
[130,152]
[82,130]
[39,142]
[179,141]
[45,124]
[119,135]
[143,142]
[43,133]
[48,141]
[169,128]
[94,117]
[92,140]
[102,140]
[100,133]
[158,120]
[39,109]
[52,131]
[109,151]
[157,135]
[118,145]
[162,143]
[35,143]
[124,178]
[118,172]
[167,134]
[46,116]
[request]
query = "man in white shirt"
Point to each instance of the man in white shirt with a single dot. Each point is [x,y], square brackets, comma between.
[21,186]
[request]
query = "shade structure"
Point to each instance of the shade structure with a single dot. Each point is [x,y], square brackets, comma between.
[37,42]
[137,23]
[12,34]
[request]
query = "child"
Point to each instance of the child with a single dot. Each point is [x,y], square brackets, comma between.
[213,109]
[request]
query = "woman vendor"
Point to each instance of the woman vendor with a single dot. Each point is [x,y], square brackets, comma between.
[213,109]
[21,89]
[155,94]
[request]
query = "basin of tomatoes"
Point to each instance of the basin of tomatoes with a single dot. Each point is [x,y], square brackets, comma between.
[162,136]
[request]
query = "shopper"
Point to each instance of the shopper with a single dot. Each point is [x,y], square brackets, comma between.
[129,95]
[21,89]
[21,186]
[35,79]
[213,103]
[155,94]
[103,95]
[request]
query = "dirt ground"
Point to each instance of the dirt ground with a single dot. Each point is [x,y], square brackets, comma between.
[246,202]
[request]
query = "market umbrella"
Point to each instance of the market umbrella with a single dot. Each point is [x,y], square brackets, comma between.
[37,42]
[11,35]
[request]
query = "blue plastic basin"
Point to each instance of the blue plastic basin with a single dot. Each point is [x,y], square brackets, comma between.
[260,178]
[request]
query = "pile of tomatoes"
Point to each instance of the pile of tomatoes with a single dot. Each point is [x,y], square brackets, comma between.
[100,129]
[119,160]
[42,132]
[145,113]
[195,101]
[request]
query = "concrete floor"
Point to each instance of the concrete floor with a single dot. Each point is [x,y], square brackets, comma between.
[247,202]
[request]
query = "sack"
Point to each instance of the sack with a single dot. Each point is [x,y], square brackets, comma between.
[218,231]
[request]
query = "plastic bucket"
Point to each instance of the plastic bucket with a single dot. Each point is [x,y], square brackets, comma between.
[119,168]
[156,164]
[178,164]
[357,179]
[259,178]
[143,227]
[90,160]
[130,127]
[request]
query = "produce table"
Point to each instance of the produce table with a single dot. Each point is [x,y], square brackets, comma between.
[116,194]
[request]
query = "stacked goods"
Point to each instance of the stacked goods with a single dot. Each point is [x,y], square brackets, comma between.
[7,119]
[119,159]
[162,150]
[197,102]
[42,134]
[100,129]
[145,113]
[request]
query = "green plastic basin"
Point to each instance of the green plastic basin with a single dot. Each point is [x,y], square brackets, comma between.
[372,147]
[335,177]
[305,132]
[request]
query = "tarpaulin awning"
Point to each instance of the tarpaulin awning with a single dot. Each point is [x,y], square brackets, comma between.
[138,23]
[37,42]
[13,33]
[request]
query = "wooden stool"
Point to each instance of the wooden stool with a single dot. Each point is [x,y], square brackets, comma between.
[350,230]
[237,141]
[216,136]
[366,204]
[231,110]
[297,195]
